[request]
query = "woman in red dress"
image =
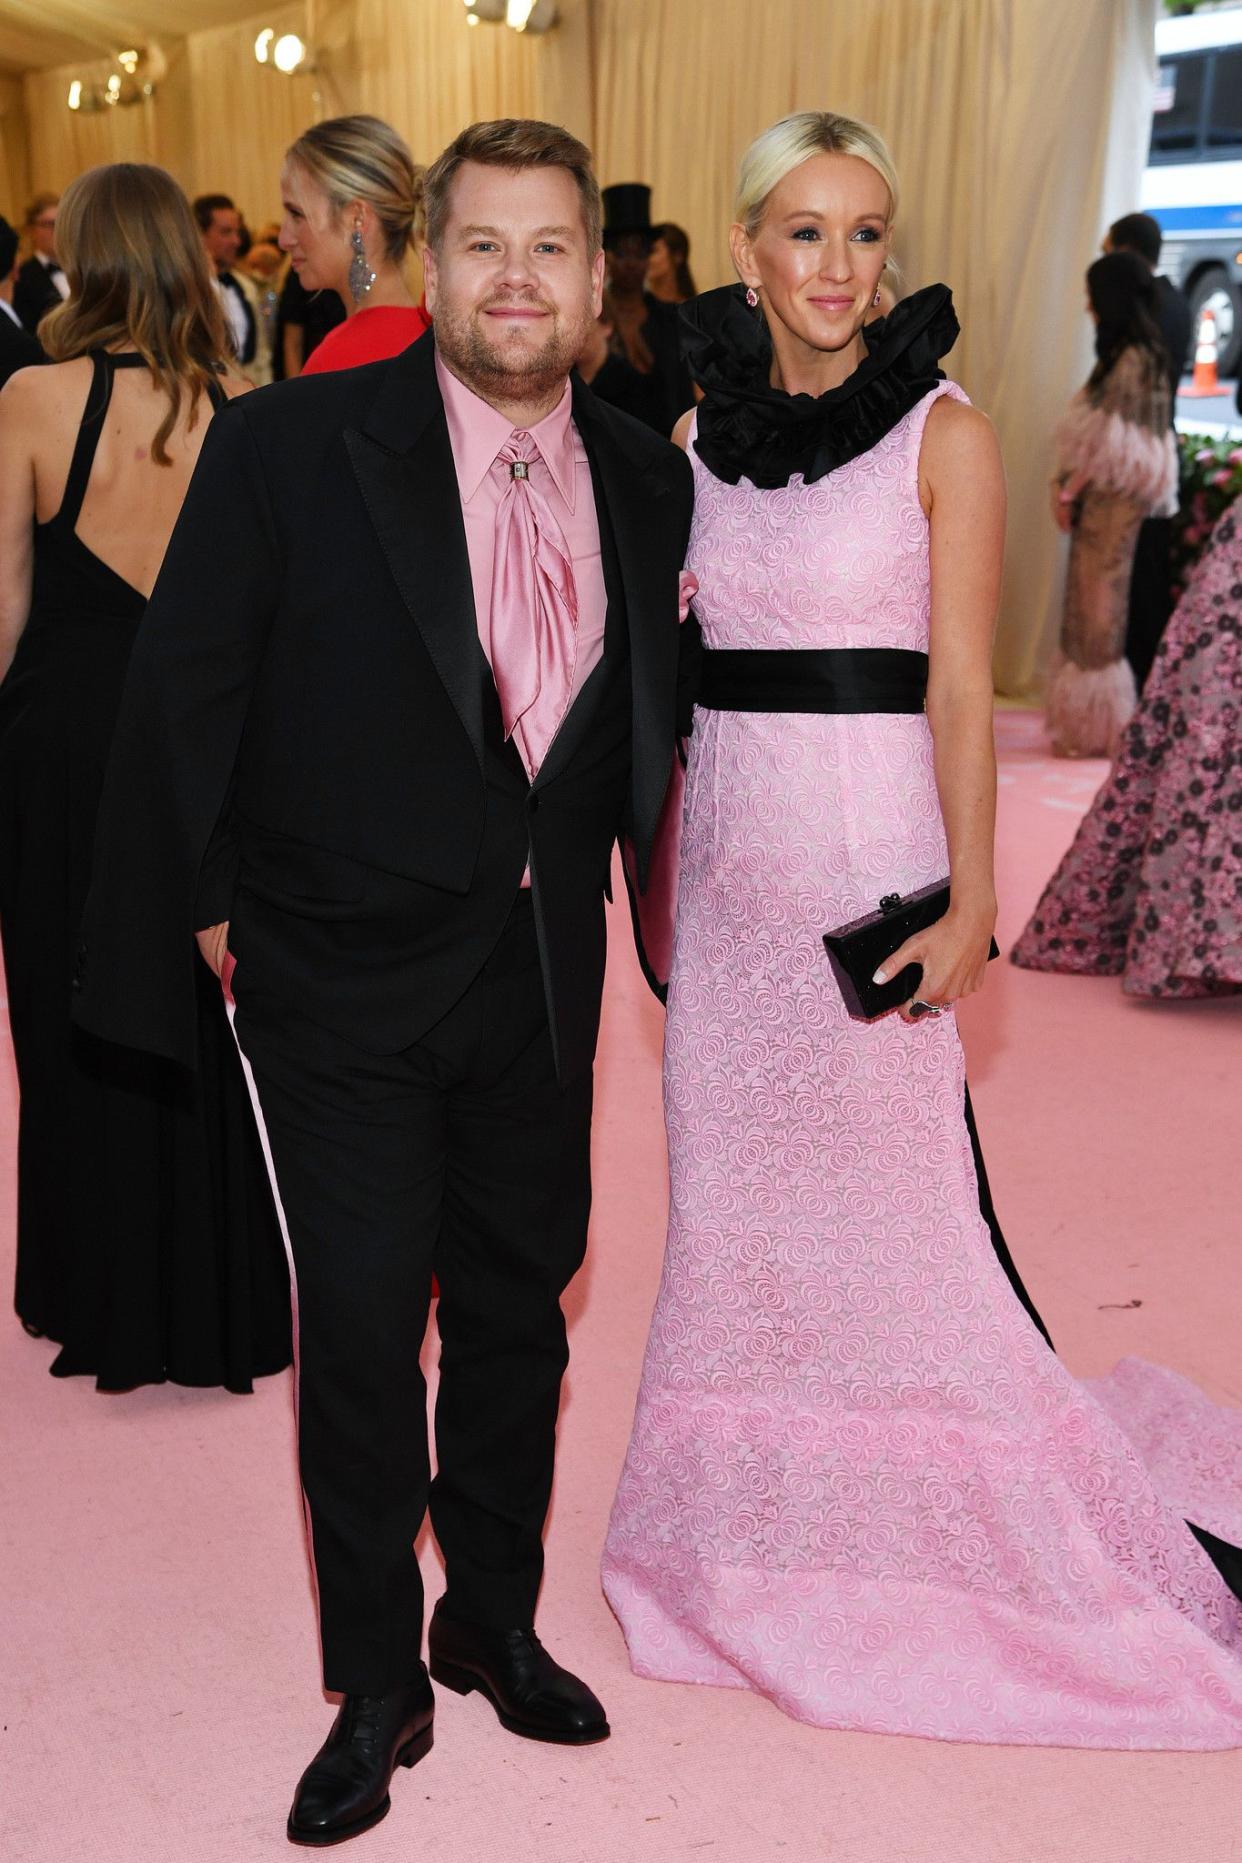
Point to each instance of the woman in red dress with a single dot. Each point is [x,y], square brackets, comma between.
[353,200]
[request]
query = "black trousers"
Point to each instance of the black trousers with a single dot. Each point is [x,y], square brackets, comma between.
[461,1157]
[1151,595]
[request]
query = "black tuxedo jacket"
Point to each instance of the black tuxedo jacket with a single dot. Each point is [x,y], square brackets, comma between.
[309,743]
[18,349]
[34,293]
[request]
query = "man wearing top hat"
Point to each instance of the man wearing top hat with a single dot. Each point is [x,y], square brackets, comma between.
[648,328]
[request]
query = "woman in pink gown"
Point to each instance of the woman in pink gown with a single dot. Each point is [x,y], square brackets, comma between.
[858,1479]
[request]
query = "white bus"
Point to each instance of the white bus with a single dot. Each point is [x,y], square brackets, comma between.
[1193,183]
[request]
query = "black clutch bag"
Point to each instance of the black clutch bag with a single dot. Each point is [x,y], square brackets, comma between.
[857,950]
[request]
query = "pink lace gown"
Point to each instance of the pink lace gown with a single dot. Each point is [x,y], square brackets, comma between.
[858,1480]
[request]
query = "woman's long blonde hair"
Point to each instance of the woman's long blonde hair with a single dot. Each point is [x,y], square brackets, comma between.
[138,276]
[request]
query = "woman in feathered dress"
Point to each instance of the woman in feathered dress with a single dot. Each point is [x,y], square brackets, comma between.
[1116,466]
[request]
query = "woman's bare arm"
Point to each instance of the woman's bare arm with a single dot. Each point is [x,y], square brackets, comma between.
[963,488]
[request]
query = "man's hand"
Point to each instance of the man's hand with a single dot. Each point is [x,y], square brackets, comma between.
[213,943]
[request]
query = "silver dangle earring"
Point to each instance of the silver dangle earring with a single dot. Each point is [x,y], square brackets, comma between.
[752,296]
[361,277]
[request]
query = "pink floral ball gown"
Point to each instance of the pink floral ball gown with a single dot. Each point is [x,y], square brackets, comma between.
[858,1480]
[1151,889]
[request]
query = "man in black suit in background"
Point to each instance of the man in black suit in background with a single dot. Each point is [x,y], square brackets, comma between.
[18,349]
[317,767]
[41,284]
[1151,584]
[220,225]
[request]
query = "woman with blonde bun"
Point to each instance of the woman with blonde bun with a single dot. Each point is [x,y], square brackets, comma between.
[353,207]
[859,1480]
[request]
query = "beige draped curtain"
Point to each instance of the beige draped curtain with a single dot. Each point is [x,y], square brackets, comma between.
[1019,130]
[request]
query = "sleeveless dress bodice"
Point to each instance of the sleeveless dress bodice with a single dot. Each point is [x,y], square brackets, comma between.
[840,563]
[83,615]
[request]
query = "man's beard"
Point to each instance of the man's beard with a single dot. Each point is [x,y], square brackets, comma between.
[503,370]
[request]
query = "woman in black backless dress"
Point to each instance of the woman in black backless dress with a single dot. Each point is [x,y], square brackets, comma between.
[147,1241]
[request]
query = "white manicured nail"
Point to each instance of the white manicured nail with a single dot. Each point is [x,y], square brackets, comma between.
[881,976]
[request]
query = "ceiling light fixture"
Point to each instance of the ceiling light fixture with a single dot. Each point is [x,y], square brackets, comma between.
[284,52]
[533,16]
[289,54]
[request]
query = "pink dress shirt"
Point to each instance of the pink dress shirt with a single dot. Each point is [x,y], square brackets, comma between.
[562,474]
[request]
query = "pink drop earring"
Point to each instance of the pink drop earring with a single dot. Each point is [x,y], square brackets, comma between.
[876,299]
[752,296]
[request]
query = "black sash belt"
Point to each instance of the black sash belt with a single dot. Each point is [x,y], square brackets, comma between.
[812,679]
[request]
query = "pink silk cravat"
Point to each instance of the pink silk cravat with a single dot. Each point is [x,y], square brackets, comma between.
[533,623]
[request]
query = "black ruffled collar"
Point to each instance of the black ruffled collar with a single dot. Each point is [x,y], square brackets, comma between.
[748,429]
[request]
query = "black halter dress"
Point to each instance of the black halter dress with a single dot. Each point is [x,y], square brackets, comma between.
[147,1244]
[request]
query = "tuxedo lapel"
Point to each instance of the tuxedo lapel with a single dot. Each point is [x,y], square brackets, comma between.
[403,462]
[637,504]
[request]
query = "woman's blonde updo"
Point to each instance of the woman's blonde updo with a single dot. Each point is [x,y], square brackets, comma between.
[792,141]
[361,158]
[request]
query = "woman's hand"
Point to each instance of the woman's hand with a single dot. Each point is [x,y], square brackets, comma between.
[953,953]
[1065,495]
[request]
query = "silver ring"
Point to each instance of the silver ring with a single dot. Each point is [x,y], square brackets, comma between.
[919,1008]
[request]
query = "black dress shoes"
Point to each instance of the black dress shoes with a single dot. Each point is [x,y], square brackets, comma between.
[344,1790]
[531,1694]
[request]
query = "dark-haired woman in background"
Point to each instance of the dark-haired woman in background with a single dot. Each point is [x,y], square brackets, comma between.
[147,1244]
[1116,466]
[669,277]
[353,205]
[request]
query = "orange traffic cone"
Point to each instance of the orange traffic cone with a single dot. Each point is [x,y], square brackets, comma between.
[1205,380]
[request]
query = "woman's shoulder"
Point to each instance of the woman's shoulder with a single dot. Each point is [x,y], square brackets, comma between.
[41,391]
[956,434]
[1136,364]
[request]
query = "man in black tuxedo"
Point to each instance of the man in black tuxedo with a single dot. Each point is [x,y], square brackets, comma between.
[18,349]
[317,767]
[41,284]
[220,225]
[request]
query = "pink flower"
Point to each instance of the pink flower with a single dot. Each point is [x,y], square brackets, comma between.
[1222,477]
[1235,456]
[687,589]
[1204,453]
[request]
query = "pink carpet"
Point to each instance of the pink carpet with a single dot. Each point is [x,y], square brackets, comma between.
[158,1663]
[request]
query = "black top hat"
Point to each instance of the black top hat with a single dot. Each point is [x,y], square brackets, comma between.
[8,247]
[627,209]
